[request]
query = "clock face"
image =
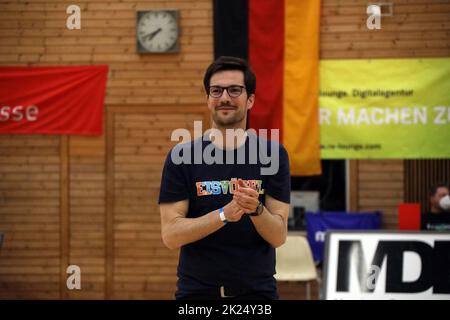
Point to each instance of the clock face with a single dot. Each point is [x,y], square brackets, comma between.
[157,31]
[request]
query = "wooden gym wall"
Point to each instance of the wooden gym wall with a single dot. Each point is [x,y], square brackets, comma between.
[92,201]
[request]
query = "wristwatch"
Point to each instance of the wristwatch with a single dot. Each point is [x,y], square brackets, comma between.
[259,210]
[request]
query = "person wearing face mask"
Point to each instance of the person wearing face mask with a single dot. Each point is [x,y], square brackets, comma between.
[438,217]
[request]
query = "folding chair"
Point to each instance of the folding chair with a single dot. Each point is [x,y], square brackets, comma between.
[295,262]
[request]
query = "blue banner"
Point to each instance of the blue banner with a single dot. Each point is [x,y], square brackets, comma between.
[318,223]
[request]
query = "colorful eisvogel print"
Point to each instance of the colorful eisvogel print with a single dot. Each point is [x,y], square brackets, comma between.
[208,188]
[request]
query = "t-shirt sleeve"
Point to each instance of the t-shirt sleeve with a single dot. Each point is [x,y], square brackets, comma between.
[279,184]
[173,182]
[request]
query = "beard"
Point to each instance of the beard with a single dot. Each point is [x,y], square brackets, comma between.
[229,120]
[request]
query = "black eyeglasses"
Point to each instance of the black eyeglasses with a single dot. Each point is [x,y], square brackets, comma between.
[234,91]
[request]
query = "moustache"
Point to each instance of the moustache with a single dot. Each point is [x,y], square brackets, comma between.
[225,106]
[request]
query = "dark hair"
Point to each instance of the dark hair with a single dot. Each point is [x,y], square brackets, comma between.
[231,63]
[434,187]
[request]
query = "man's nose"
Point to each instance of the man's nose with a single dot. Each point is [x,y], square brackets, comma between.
[225,97]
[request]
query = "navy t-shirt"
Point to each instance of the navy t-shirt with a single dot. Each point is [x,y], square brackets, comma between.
[235,255]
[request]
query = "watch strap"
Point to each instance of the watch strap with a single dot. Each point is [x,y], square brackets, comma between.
[259,210]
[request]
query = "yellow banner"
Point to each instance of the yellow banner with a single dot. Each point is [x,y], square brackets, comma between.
[385,108]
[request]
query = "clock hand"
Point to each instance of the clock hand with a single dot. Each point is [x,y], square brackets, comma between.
[153,34]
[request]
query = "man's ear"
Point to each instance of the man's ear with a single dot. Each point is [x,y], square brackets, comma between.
[250,101]
[207,103]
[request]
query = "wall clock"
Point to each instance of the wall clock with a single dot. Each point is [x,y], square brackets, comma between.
[157,31]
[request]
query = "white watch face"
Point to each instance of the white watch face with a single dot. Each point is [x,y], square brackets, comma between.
[157,31]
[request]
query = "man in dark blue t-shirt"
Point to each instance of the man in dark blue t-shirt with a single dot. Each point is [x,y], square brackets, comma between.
[227,211]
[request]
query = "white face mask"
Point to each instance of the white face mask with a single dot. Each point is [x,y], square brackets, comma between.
[444,203]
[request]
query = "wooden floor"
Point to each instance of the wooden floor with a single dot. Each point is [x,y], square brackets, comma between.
[297,290]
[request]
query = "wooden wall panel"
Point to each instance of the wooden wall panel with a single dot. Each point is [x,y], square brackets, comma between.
[379,187]
[87,214]
[29,217]
[418,28]
[142,266]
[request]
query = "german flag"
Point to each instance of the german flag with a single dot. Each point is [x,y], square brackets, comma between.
[280,39]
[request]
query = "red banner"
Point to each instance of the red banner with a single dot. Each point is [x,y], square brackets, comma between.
[52,100]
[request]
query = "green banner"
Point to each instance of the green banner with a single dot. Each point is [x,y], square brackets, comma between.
[385,109]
